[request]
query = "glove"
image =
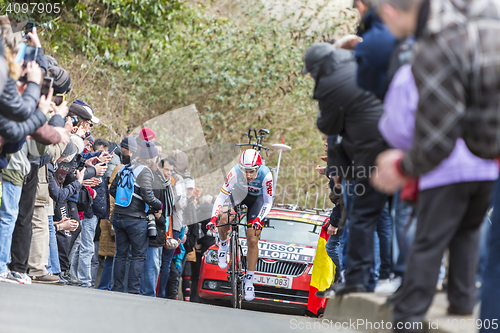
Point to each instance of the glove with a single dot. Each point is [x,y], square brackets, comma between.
[212,223]
[257,224]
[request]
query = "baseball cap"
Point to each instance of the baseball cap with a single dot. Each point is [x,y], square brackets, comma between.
[80,111]
[93,118]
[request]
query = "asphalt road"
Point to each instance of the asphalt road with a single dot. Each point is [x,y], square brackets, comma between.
[48,308]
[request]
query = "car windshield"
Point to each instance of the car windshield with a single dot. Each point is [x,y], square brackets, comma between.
[288,231]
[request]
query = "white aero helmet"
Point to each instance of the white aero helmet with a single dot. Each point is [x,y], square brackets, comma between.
[250,159]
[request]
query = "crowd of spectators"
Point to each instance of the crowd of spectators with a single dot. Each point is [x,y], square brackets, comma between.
[409,106]
[59,220]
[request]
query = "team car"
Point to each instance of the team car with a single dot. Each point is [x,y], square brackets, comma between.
[287,247]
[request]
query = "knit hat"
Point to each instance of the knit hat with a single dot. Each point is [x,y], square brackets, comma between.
[129,143]
[62,80]
[147,134]
[51,62]
[181,161]
[147,150]
[94,119]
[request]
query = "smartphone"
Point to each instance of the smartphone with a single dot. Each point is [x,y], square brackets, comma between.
[111,152]
[46,85]
[20,53]
[30,54]
[28,28]
[58,99]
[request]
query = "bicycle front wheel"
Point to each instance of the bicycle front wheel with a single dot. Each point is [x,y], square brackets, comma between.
[236,286]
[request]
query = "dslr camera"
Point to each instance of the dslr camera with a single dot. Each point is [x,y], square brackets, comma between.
[152,232]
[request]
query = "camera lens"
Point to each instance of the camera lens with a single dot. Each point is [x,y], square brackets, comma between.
[151,226]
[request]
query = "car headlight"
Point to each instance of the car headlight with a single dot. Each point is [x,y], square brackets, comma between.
[211,257]
[211,285]
[310,270]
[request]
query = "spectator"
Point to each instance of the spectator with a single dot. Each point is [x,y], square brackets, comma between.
[179,159]
[193,234]
[149,278]
[130,222]
[107,246]
[42,226]
[60,193]
[168,254]
[129,146]
[81,261]
[440,190]
[373,52]
[353,113]
[18,115]
[204,214]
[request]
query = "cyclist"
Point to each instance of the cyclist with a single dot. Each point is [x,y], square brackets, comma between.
[250,183]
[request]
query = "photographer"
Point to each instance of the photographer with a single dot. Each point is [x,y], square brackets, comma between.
[129,216]
[19,115]
[152,264]
[84,249]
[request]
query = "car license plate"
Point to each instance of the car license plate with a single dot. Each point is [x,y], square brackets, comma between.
[274,281]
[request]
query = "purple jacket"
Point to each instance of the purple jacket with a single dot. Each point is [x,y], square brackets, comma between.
[397,125]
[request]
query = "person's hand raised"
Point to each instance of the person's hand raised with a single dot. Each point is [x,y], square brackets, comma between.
[44,102]
[34,73]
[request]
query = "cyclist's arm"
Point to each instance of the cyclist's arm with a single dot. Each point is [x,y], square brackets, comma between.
[227,187]
[267,189]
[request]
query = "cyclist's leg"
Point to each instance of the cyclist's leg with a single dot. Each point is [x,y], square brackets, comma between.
[254,204]
[223,231]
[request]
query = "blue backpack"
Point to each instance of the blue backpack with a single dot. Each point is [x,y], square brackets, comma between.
[126,182]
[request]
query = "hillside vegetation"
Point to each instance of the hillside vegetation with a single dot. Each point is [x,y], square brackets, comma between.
[133,60]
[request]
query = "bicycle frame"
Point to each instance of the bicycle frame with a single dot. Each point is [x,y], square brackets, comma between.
[237,265]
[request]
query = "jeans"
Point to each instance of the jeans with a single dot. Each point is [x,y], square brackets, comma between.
[53,267]
[94,263]
[149,278]
[165,268]
[131,233]
[107,274]
[375,267]
[9,209]
[348,190]
[403,212]
[334,247]
[21,237]
[384,232]
[490,293]
[82,259]
[367,207]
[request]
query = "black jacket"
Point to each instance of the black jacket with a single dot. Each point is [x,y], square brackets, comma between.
[161,228]
[100,204]
[137,207]
[349,111]
[60,195]
[204,215]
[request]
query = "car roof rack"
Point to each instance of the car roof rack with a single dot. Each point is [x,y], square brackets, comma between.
[303,208]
